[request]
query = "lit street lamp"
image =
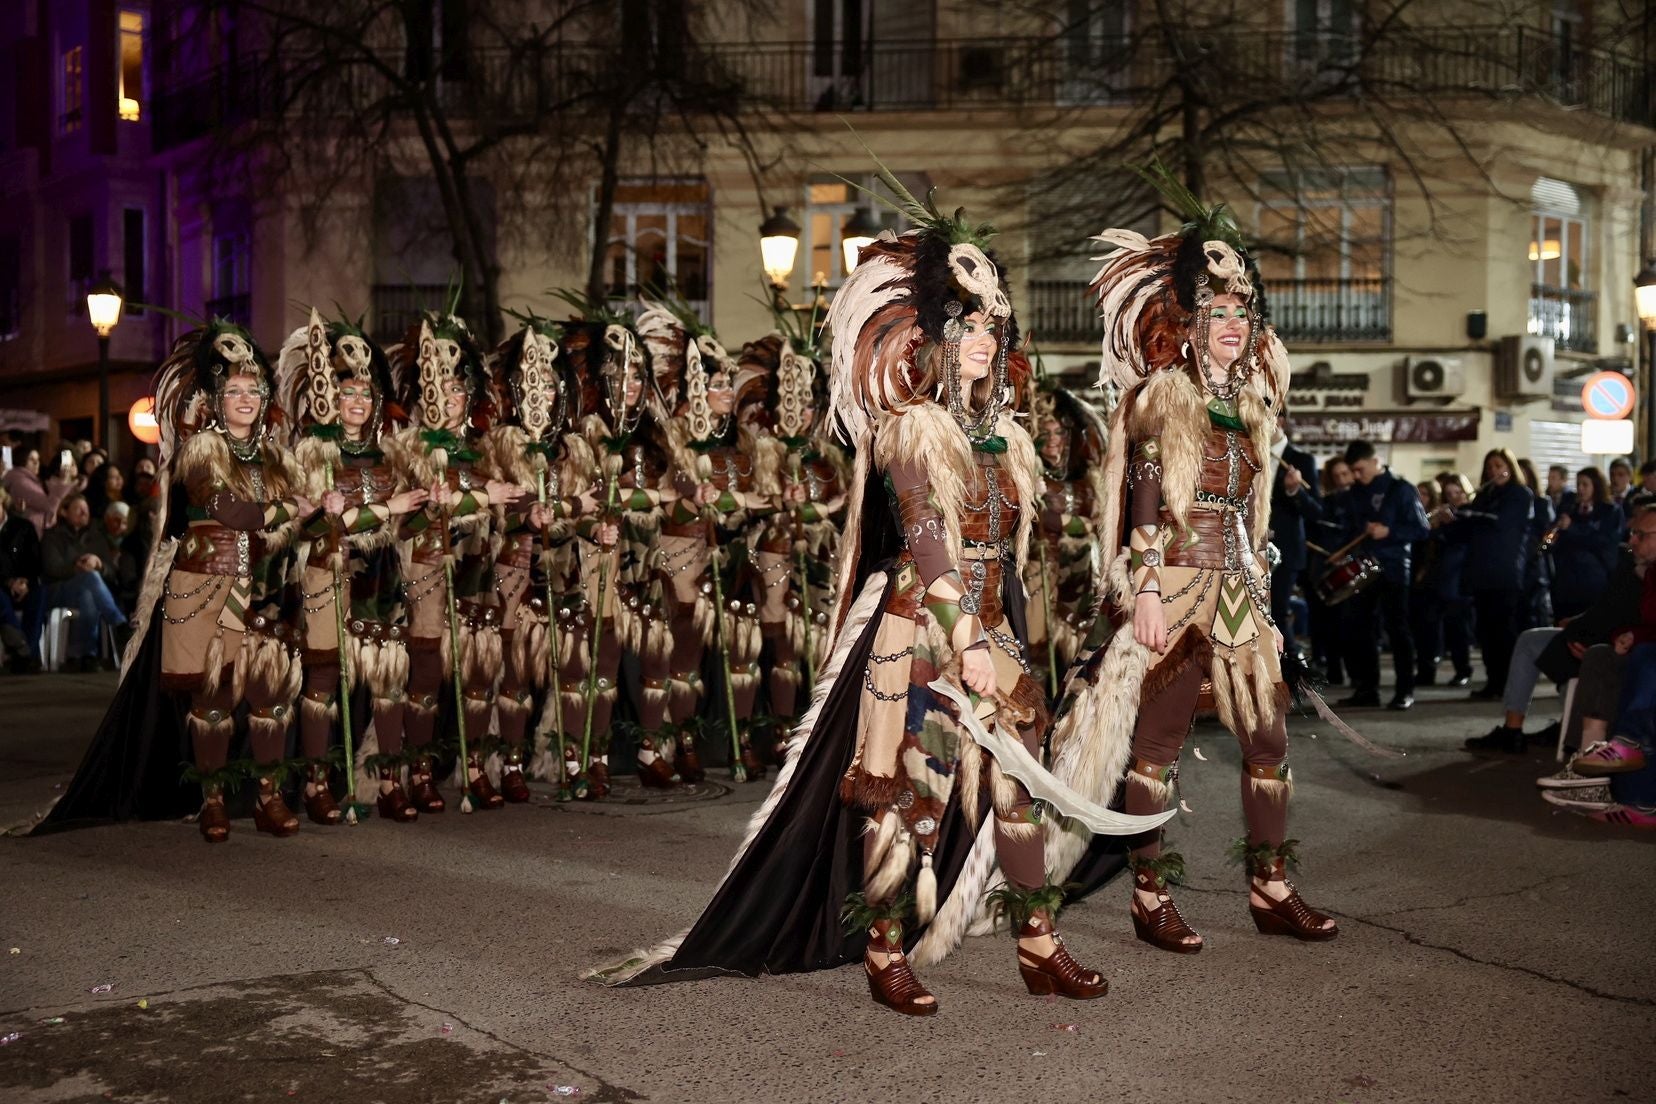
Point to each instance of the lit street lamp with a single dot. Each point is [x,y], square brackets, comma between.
[859,233]
[778,246]
[1644,292]
[103,307]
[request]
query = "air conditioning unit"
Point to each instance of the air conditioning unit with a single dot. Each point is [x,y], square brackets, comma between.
[1433,378]
[1525,370]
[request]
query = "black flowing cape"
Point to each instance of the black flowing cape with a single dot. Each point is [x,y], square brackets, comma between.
[132,768]
[778,909]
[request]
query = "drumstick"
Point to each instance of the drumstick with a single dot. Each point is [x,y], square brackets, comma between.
[1344,548]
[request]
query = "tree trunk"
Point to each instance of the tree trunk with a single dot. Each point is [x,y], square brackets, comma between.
[609,179]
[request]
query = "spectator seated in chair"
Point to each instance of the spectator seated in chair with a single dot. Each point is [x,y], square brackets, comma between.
[1558,653]
[78,578]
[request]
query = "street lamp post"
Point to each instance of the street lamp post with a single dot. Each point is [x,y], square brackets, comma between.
[1644,291]
[778,246]
[103,307]
[857,235]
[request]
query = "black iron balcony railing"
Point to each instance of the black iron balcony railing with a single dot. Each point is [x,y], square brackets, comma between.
[1568,316]
[1303,311]
[969,74]
[236,308]
[1331,310]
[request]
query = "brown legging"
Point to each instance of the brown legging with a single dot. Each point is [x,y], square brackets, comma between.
[1163,724]
[211,741]
[316,725]
[1019,844]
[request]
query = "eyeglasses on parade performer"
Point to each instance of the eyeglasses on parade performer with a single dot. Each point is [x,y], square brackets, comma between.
[212,625]
[914,771]
[335,385]
[451,632]
[1189,469]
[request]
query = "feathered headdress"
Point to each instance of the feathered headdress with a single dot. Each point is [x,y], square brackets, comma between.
[439,349]
[602,355]
[684,357]
[1151,292]
[906,291]
[535,396]
[190,383]
[315,359]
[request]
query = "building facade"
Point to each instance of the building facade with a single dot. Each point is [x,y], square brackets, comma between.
[1440,293]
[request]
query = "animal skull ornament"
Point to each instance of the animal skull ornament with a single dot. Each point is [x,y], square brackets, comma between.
[351,355]
[977,275]
[237,355]
[1226,264]
[794,376]
[321,393]
[534,384]
[432,374]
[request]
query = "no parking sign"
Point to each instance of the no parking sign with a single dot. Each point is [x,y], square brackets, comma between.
[1607,395]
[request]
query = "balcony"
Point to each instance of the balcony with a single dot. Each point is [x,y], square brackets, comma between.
[1312,311]
[1568,316]
[1303,311]
[1497,63]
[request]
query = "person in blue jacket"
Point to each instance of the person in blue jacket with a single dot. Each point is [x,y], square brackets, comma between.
[1496,527]
[1535,608]
[1294,506]
[1584,543]
[1386,510]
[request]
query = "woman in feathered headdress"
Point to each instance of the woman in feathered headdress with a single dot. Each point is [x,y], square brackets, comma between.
[447,391]
[1062,576]
[213,625]
[1187,481]
[607,368]
[532,445]
[924,702]
[334,383]
[795,548]
[726,478]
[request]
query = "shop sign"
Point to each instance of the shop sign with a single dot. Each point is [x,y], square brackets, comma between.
[1310,430]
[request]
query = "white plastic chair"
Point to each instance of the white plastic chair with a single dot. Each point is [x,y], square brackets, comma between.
[54,637]
[1565,718]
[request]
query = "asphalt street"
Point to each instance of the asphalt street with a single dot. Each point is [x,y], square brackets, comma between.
[1492,949]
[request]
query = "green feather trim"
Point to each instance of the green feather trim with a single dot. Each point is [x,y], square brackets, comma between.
[993,445]
[956,228]
[1260,855]
[1166,869]
[277,772]
[1212,223]
[225,779]
[385,760]
[1020,905]
[860,915]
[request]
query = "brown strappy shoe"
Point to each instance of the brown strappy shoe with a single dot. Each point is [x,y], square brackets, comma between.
[687,760]
[1162,927]
[1291,915]
[426,795]
[513,787]
[654,773]
[1058,973]
[320,805]
[894,984]
[214,821]
[394,803]
[598,779]
[482,791]
[751,763]
[271,813]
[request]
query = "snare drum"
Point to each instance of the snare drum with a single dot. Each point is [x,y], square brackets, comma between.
[1348,577]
